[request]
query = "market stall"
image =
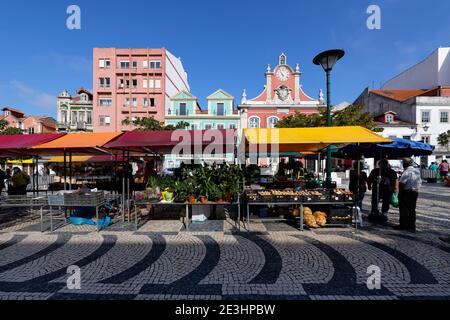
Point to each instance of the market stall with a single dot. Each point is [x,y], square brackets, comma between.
[80,144]
[177,191]
[20,147]
[330,205]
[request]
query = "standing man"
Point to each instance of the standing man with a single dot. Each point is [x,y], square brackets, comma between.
[409,183]
[383,182]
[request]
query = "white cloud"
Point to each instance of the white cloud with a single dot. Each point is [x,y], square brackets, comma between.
[33,96]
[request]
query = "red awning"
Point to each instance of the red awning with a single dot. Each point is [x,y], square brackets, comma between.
[165,142]
[22,144]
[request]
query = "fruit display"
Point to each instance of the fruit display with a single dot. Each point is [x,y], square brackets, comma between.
[341,195]
[309,218]
[288,195]
[321,218]
[296,212]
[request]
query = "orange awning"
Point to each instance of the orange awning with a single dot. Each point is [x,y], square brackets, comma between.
[79,143]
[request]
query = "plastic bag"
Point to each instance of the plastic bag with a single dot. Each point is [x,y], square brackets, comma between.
[394,200]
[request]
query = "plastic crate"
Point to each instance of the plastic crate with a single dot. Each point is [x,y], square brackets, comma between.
[84,199]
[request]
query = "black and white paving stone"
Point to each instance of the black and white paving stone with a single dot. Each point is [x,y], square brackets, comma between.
[217,261]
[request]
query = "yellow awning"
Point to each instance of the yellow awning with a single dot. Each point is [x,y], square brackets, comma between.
[59,159]
[309,139]
[26,161]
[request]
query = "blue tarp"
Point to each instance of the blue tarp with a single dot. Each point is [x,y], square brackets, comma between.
[399,148]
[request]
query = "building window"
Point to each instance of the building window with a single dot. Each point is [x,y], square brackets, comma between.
[135,102]
[220,109]
[134,83]
[81,116]
[124,64]
[74,118]
[426,139]
[232,126]
[145,83]
[155,64]
[127,84]
[253,122]
[101,82]
[63,116]
[31,130]
[425,116]
[88,117]
[134,65]
[145,102]
[208,126]
[157,84]
[104,120]
[220,126]
[152,102]
[104,63]
[105,102]
[107,82]
[389,118]
[127,102]
[444,117]
[183,109]
[271,122]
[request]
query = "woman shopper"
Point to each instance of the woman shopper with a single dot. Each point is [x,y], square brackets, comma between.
[443,169]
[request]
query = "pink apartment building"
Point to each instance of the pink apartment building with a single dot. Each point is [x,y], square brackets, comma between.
[133,83]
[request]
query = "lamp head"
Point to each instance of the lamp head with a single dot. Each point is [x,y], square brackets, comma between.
[328,59]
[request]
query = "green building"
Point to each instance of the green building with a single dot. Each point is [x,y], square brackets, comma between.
[220,114]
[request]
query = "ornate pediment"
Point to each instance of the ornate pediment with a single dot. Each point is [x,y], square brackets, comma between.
[283,95]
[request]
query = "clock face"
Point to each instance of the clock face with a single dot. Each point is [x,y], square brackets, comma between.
[282,74]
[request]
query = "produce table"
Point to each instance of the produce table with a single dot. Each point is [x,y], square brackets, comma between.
[78,200]
[23,201]
[186,204]
[302,199]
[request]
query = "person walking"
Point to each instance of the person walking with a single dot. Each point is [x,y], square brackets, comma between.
[3,176]
[443,169]
[20,181]
[358,176]
[383,182]
[409,185]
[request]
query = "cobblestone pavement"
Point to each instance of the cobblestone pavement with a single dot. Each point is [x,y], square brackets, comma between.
[217,261]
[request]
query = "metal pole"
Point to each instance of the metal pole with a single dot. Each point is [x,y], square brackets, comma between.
[65,171]
[328,180]
[37,175]
[123,186]
[70,170]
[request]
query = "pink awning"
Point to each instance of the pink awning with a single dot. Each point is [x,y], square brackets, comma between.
[22,144]
[164,142]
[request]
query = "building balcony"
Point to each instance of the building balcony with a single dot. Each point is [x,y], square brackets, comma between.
[76,126]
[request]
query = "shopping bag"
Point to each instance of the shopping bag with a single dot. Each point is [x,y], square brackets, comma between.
[394,200]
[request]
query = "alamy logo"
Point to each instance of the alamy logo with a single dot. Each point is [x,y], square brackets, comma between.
[73,22]
[374,20]
[374,280]
[74,280]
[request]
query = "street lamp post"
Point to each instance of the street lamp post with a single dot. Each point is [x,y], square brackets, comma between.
[327,60]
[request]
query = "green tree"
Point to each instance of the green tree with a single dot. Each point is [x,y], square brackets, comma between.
[5,129]
[151,124]
[353,115]
[444,138]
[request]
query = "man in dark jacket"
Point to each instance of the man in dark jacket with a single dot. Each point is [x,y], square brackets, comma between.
[383,182]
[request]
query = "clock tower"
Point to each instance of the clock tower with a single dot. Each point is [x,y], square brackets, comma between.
[282,96]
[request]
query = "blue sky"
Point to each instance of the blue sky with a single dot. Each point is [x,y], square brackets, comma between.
[223,43]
